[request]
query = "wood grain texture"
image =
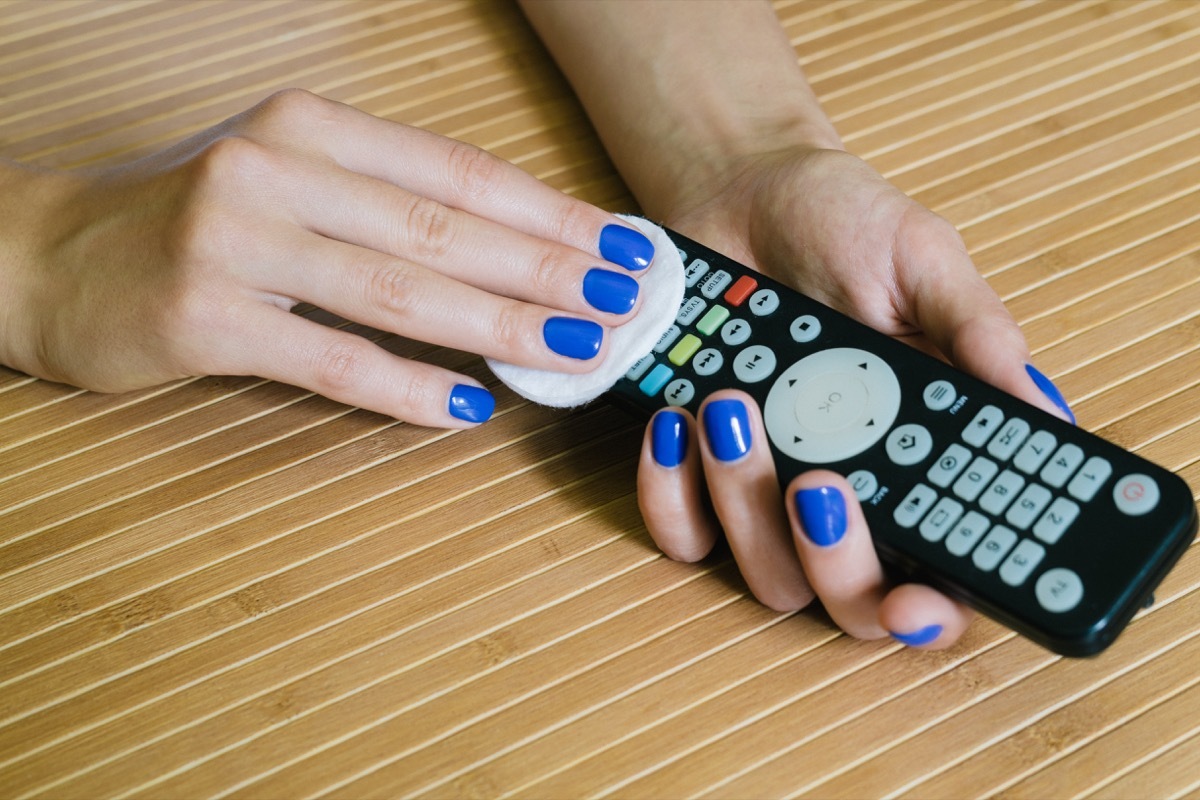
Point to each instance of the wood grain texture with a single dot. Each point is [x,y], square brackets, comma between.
[228,587]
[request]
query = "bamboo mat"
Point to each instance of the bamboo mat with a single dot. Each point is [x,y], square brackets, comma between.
[230,587]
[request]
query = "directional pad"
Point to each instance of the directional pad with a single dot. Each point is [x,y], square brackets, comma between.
[831,405]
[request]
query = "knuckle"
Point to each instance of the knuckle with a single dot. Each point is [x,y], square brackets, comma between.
[340,366]
[474,173]
[235,161]
[392,287]
[429,226]
[574,222]
[290,106]
[546,273]
[510,328]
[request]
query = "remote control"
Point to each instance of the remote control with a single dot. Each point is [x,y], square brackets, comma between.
[1053,531]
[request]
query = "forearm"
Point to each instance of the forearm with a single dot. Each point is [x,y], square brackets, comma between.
[680,91]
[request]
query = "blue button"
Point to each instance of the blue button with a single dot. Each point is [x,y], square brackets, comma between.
[653,383]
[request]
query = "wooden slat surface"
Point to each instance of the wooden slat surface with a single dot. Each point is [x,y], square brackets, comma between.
[228,587]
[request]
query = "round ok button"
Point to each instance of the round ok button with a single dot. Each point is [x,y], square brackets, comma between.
[831,401]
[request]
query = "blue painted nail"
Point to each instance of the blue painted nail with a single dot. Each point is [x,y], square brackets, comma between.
[728,427]
[668,438]
[472,403]
[917,638]
[614,292]
[573,338]
[822,514]
[625,246]
[1050,390]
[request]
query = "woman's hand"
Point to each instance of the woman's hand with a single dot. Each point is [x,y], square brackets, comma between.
[188,262]
[825,222]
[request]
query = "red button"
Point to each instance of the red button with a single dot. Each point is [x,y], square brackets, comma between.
[742,288]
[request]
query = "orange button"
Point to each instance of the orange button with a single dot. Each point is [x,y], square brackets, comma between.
[742,288]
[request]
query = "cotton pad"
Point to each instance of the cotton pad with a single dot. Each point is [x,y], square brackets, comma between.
[661,293]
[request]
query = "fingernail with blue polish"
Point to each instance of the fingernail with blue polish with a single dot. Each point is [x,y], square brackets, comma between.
[1050,390]
[625,246]
[728,427]
[610,291]
[573,338]
[920,637]
[471,403]
[668,438]
[822,514]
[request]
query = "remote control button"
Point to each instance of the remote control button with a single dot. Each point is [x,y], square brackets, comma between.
[1136,494]
[1025,510]
[764,302]
[715,283]
[708,361]
[914,506]
[795,396]
[1089,479]
[686,348]
[679,392]
[941,519]
[1062,465]
[653,383]
[640,367]
[1034,452]
[949,464]
[1021,562]
[908,444]
[742,288]
[939,395]
[694,272]
[691,310]
[805,328]
[831,402]
[1058,590]
[735,332]
[1001,492]
[1056,520]
[993,548]
[667,339]
[983,426]
[755,363]
[712,320]
[864,483]
[1008,439]
[970,485]
[966,534]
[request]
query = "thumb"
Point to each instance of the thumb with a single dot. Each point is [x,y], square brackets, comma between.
[966,320]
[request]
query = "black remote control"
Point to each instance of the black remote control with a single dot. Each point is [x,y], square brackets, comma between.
[1052,531]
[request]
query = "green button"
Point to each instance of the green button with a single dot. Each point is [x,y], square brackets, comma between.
[686,348]
[712,320]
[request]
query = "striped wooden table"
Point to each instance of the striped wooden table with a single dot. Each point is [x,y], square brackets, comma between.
[230,587]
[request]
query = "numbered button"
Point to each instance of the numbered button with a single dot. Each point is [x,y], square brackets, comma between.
[967,533]
[1017,568]
[972,482]
[1054,523]
[1001,492]
[993,548]
[1062,465]
[1089,479]
[1034,452]
[1025,510]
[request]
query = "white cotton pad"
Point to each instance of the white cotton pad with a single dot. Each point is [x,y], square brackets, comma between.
[661,293]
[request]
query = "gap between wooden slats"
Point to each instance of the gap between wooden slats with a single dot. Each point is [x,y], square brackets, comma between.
[1023,685]
[47,19]
[442,561]
[179,93]
[374,623]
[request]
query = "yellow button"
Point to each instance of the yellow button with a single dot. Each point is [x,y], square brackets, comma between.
[685,349]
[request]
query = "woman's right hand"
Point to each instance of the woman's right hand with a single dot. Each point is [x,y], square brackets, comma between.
[188,262]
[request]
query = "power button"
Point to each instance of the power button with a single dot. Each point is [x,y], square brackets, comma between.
[1135,494]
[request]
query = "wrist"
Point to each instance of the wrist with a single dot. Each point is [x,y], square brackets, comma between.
[28,199]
